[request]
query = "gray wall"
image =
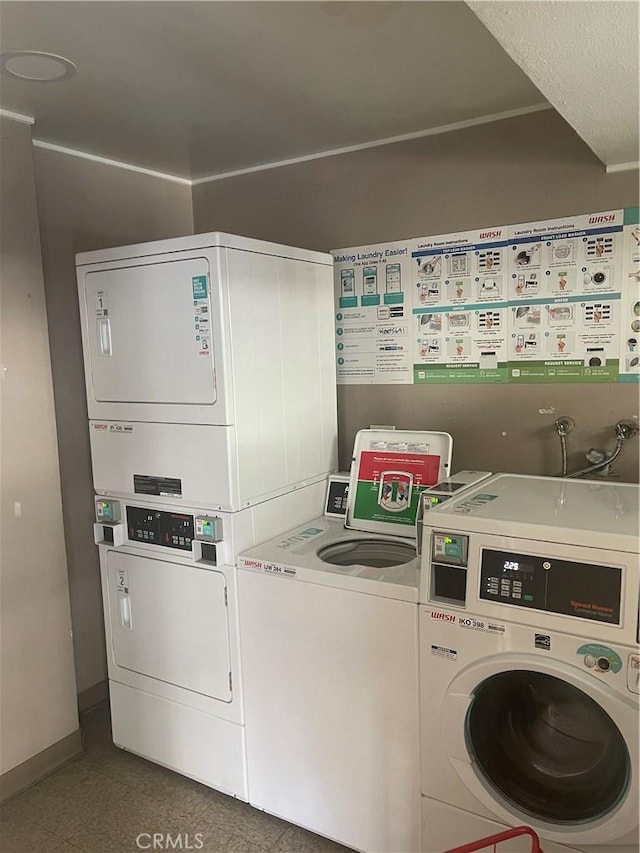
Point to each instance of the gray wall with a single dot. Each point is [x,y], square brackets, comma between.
[518,170]
[37,691]
[84,205]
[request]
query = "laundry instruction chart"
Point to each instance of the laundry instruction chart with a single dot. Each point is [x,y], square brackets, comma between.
[565,299]
[630,302]
[391,477]
[373,314]
[549,301]
[459,312]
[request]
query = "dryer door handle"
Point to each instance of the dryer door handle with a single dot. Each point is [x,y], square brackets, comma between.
[124,606]
[104,335]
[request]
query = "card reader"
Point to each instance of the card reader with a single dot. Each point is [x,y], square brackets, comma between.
[442,491]
[445,489]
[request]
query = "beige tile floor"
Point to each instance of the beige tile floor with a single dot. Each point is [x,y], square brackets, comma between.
[106,799]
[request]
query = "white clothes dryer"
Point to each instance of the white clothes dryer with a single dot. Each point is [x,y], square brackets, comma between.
[171,623]
[529,664]
[210,369]
[328,628]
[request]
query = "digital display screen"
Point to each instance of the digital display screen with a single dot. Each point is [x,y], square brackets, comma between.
[515,568]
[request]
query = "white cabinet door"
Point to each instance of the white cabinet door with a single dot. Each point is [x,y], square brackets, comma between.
[169,621]
[150,333]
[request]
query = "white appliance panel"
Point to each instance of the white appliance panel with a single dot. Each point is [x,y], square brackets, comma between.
[269,376]
[330,680]
[296,554]
[549,609]
[145,349]
[457,654]
[241,530]
[169,621]
[200,457]
[547,509]
[505,608]
[445,827]
[197,744]
[285,389]
[200,243]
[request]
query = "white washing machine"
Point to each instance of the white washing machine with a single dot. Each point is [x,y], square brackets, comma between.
[328,631]
[171,621]
[529,664]
[210,369]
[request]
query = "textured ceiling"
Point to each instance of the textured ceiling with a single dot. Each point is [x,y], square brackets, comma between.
[584,58]
[194,89]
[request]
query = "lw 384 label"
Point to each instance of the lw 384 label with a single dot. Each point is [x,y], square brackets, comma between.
[282,571]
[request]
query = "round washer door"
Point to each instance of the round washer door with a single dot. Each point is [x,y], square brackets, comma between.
[536,742]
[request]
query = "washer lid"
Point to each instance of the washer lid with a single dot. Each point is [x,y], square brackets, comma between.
[389,470]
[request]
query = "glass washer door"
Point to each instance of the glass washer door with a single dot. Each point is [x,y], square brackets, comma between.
[547,747]
[618,812]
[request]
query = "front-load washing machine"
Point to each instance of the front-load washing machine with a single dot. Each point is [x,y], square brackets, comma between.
[328,633]
[529,664]
[171,622]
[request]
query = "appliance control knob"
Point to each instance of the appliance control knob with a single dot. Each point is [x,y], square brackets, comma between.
[604,664]
[589,661]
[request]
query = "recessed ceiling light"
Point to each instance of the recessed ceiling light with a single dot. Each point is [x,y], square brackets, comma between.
[36,66]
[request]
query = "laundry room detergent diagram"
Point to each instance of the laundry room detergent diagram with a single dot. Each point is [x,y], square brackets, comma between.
[389,484]
[549,301]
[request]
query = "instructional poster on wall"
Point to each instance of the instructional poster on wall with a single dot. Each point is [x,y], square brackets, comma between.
[549,301]
[564,299]
[630,302]
[460,328]
[373,314]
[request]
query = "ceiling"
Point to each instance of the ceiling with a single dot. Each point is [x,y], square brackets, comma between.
[202,89]
[584,56]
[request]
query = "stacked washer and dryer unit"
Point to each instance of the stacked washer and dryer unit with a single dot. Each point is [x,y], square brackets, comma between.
[209,364]
[530,664]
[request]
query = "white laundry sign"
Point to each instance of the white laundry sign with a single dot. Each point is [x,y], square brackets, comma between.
[555,300]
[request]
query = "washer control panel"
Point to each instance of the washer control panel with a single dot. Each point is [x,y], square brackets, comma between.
[546,583]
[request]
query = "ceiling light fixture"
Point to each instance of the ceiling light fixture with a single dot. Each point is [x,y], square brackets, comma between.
[36,66]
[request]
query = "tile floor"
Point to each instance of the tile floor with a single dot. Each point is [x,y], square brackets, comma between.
[106,799]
